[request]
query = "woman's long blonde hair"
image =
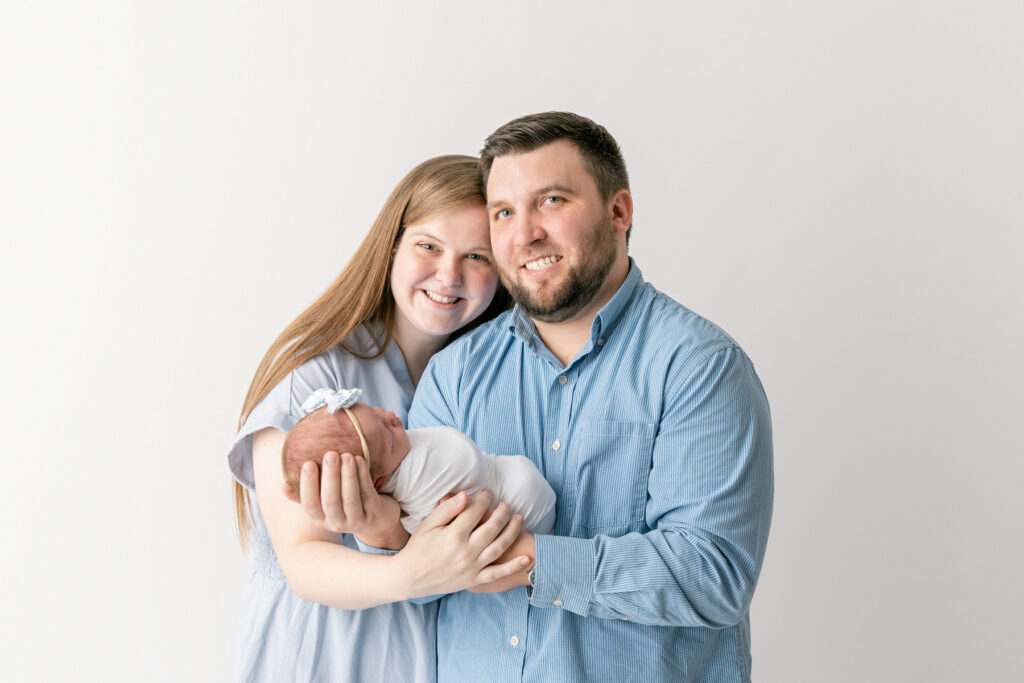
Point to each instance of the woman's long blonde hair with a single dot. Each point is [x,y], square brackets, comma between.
[362,292]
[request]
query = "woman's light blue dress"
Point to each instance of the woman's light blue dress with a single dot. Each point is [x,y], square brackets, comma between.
[278,636]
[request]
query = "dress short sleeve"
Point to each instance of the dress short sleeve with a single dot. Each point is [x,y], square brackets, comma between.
[280,409]
[384,381]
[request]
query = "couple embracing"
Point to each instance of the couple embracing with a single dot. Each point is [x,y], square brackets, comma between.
[646,420]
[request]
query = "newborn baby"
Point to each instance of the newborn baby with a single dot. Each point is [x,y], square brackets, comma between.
[417,467]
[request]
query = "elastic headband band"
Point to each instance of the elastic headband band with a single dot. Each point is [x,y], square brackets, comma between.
[362,439]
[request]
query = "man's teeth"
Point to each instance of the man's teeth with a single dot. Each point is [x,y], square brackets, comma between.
[434,296]
[542,263]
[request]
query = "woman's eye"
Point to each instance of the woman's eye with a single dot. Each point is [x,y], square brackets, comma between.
[427,246]
[477,257]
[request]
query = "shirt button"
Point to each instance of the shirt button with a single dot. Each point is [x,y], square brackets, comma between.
[514,640]
[557,603]
[563,379]
[556,445]
[600,342]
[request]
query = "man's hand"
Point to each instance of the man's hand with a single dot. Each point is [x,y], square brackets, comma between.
[523,545]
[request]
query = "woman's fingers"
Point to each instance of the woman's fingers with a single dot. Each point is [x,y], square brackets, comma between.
[366,489]
[332,512]
[495,572]
[445,512]
[469,518]
[352,501]
[497,534]
[309,491]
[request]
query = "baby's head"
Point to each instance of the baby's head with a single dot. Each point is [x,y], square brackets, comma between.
[321,431]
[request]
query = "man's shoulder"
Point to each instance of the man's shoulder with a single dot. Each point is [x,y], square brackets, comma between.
[668,323]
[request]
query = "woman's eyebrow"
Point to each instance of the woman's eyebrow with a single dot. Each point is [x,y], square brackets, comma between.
[417,232]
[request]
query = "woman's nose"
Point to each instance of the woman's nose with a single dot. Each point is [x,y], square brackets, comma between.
[448,273]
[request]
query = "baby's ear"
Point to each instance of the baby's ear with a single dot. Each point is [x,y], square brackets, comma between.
[290,493]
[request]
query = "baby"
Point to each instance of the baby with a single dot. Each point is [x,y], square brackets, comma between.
[417,467]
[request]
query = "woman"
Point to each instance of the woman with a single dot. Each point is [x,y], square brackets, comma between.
[422,274]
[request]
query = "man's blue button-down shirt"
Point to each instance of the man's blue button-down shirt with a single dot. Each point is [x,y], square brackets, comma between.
[657,441]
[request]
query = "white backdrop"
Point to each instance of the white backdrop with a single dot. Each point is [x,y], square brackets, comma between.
[837,184]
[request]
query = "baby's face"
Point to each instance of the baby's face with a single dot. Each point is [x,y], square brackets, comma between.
[386,438]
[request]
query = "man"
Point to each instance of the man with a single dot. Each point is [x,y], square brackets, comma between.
[647,420]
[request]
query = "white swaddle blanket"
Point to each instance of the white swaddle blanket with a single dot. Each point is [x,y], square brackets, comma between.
[443,460]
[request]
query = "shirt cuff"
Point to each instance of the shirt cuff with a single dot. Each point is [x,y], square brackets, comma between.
[372,550]
[565,573]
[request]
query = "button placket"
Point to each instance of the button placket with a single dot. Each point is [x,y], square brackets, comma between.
[564,400]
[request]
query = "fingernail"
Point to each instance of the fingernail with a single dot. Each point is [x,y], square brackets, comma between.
[309,468]
[346,459]
[524,561]
[331,459]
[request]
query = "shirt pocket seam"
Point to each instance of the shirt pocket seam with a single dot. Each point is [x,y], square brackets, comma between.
[641,435]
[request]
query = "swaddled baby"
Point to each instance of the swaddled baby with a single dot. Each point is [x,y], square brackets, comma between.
[418,466]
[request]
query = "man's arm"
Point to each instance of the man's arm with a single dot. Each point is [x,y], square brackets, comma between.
[709,504]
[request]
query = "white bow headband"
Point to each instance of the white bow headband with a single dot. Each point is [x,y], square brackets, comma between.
[335,400]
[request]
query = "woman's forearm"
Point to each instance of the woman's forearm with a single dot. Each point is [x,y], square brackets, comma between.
[331,574]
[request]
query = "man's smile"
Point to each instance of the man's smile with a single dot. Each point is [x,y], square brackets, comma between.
[542,263]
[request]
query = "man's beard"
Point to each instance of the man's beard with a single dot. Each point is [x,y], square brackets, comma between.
[581,284]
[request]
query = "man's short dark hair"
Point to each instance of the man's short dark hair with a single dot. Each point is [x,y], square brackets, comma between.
[600,152]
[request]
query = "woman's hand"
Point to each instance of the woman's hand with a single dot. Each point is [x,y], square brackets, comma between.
[453,550]
[344,500]
[524,545]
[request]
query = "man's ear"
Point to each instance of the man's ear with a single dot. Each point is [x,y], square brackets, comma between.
[621,207]
[290,493]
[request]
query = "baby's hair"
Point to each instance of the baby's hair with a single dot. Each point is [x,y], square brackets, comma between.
[314,435]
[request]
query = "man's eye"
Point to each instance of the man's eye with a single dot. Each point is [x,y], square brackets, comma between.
[504,213]
[552,200]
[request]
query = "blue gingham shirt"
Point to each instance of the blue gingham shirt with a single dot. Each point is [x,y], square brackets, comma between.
[657,441]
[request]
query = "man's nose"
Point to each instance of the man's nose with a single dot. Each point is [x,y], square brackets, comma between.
[528,229]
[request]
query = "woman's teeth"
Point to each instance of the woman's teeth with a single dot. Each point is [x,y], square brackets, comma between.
[542,263]
[441,299]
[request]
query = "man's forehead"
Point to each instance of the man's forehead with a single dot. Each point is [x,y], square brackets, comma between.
[557,164]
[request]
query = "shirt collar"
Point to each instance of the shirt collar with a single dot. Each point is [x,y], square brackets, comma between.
[522,326]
